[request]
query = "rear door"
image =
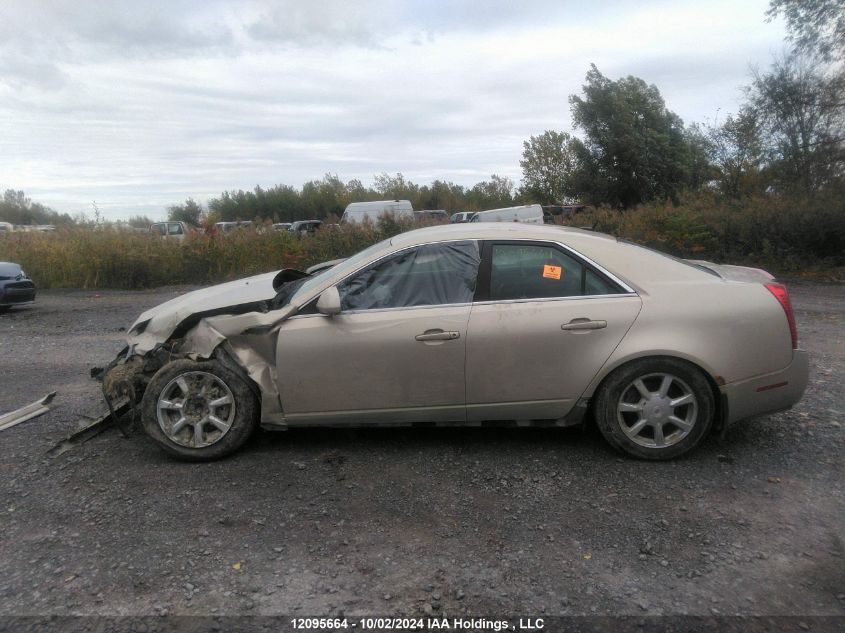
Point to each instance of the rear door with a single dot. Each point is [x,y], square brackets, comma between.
[543,324]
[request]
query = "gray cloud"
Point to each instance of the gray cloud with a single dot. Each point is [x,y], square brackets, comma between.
[139,105]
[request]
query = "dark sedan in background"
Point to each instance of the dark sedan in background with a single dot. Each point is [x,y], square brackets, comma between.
[15,287]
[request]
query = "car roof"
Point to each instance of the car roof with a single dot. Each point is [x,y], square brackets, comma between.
[635,265]
[495,231]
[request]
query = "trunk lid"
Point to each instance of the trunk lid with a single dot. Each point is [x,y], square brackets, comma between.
[735,273]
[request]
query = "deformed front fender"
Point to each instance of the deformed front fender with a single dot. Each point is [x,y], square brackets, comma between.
[248,339]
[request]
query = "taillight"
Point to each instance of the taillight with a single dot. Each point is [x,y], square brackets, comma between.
[782,295]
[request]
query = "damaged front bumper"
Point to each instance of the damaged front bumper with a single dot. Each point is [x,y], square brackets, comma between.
[246,343]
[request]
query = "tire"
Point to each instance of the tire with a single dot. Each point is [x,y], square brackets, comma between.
[635,416]
[218,401]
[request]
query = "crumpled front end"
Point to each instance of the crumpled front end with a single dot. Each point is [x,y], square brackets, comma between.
[242,337]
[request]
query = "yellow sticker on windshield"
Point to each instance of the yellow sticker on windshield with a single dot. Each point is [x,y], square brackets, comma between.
[552,272]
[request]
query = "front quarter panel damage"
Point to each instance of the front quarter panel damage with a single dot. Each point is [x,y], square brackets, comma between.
[247,341]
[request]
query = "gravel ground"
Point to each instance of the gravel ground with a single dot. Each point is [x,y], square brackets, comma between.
[411,521]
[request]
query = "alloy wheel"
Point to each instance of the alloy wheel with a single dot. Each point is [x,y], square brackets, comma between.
[195,409]
[657,410]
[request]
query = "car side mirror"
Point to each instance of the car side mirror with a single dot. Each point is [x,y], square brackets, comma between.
[329,302]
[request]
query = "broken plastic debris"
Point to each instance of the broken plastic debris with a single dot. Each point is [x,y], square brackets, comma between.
[26,413]
[97,426]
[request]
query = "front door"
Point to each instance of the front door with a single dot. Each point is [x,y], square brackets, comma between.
[395,353]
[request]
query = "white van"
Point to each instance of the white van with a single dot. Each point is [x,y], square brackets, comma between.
[357,211]
[527,214]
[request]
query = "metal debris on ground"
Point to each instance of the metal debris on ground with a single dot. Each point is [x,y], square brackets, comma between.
[28,412]
[97,426]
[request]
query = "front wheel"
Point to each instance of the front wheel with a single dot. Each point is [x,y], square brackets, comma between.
[655,408]
[199,411]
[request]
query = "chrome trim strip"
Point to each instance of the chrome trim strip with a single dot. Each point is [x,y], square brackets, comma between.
[437,305]
[377,310]
[547,299]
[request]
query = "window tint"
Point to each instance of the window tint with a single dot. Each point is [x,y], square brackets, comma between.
[533,271]
[434,274]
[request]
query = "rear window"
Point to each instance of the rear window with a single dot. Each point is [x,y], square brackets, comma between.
[685,262]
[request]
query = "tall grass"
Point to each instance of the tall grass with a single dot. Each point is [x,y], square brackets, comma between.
[85,258]
[781,236]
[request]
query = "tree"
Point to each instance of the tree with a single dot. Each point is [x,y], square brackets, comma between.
[395,187]
[139,221]
[548,164]
[737,152]
[321,198]
[17,208]
[634,148]
[815,27]
[802,113]
[441,195]
[491,194]
[189,212]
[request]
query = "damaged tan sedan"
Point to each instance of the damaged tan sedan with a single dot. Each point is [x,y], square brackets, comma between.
[469,325]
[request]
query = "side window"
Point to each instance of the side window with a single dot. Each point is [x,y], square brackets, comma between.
[534,271]
[174,229]
[433,274]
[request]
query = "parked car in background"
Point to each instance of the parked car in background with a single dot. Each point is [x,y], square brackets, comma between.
[461,216]
[170,230]
[563,210]
[305,227]
[358,212]
[470,324]
[16,288]
[527,214]
[437,215]
[35,228]
[6,227]
[228,227]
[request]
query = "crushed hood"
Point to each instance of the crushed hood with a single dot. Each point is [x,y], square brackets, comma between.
[164,318]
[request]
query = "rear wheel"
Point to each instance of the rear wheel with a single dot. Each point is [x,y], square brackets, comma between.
[655,408]
[199,410]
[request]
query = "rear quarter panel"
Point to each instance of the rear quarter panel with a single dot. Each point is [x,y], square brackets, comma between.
[733,331]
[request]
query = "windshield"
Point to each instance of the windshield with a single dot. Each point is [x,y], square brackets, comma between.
[346,266]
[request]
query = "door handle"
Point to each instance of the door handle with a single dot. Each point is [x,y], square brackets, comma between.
[583,324]
[437,335]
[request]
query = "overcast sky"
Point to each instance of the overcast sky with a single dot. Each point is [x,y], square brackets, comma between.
[138,105]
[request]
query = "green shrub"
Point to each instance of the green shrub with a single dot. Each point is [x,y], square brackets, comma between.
[781,235]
